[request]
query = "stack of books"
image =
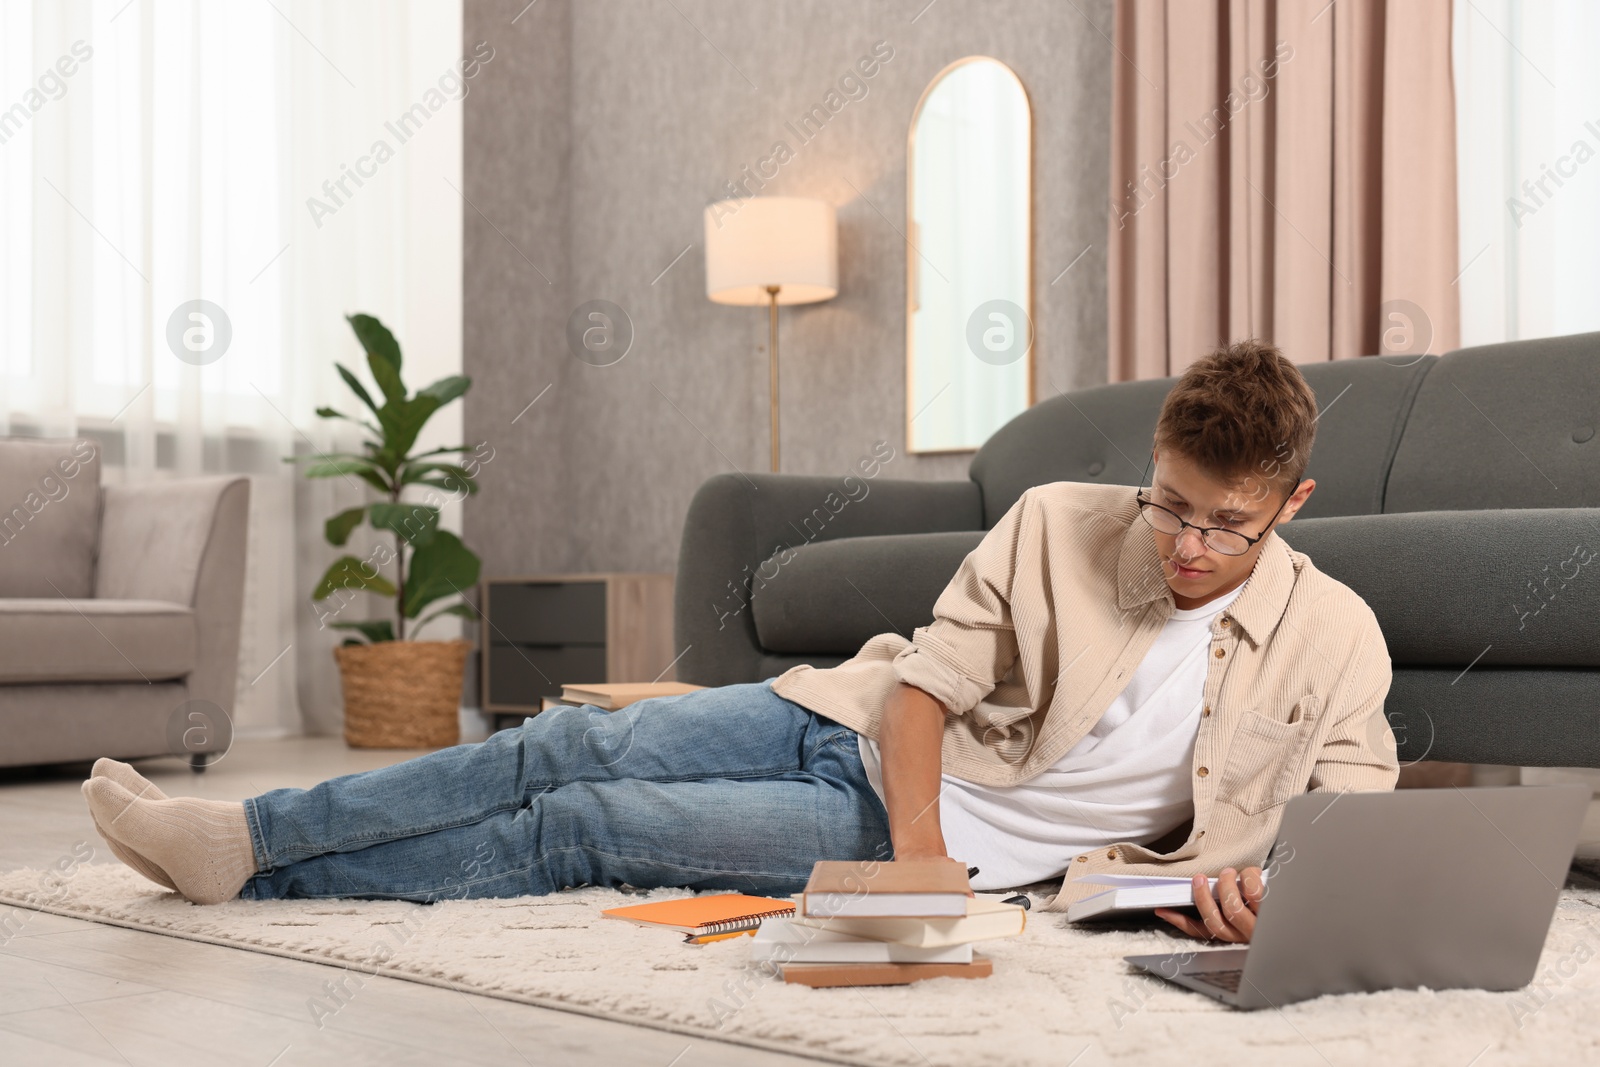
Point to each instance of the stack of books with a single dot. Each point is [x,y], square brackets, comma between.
[871,923]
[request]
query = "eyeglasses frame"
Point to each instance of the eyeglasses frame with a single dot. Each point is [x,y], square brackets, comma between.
[1184,524]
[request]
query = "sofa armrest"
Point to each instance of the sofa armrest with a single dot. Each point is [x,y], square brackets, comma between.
[183,542]
[736,522]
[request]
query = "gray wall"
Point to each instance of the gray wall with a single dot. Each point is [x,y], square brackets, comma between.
[594,140]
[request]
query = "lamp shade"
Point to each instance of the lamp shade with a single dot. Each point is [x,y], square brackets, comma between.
[787,241]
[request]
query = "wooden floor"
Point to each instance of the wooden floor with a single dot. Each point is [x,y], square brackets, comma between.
[73,991]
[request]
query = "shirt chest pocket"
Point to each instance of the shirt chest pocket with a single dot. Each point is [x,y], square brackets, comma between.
[1264,758]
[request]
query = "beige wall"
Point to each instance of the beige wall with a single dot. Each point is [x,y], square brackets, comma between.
[592,143]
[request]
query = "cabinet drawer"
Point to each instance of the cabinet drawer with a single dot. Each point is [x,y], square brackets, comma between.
[548,613]
[514,671]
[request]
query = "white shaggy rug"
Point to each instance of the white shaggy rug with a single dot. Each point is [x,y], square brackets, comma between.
[1058,995]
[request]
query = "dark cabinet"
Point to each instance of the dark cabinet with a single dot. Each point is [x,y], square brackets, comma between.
[546,631]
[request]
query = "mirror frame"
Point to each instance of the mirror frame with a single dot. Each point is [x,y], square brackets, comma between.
[913,247]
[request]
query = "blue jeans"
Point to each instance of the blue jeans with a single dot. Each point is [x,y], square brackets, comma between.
[725,788]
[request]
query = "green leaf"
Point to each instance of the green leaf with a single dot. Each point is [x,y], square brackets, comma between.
[438,569]
[348,572]
[332,468]
[383,357]
[337,529]
[455,476]
[447,389]
[376,480]
[394,390]
[375,338]
[355,386]
[448,485]
[442,451]
[330,413]
[404,420]
[361,466]
[414,522]
[375,630]
[466,611]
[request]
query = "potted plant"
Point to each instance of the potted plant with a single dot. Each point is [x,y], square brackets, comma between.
[398,692]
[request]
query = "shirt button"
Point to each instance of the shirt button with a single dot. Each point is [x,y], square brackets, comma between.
[1111,853]
[1206,714]
[1083,859]
[1220,653]
[1227,622]
[1202,772]
[1199,835]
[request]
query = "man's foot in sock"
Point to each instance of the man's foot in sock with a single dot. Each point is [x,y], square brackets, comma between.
[138,785]
[202,845]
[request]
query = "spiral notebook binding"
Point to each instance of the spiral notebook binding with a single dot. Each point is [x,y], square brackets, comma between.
[740,922]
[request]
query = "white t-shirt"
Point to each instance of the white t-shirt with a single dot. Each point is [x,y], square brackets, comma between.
[1126,780]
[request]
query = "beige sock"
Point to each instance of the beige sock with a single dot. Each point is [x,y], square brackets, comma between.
[202,845]
[137,784]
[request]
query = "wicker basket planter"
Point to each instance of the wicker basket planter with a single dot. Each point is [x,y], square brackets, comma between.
[402,694]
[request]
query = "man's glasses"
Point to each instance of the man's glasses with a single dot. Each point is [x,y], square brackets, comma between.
[1217,538]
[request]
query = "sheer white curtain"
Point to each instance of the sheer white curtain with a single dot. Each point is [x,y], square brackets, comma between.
[1528,181]
[1528,151]
[153,154]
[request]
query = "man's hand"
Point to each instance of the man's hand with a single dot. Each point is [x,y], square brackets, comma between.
[1228,916]
[924,854]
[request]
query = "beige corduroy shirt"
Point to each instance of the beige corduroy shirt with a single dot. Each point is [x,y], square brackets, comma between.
[1047,618]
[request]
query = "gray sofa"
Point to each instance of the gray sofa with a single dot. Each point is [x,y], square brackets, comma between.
[1459,495]
[120,609]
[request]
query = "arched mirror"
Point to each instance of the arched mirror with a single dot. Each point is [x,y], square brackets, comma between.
[969,313]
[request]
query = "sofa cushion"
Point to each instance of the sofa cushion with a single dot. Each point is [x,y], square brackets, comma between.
[58,640]
[1486,588]
[1101,434]
[58,723]
[49,517]
[1517,716]
[1104,434]
[1504,426]
[1364,404]
[1502,588]
[832,596]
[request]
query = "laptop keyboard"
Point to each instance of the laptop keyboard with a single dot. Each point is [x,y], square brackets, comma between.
[1228,980]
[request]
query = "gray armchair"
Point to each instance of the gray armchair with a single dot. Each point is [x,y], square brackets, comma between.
[120,609]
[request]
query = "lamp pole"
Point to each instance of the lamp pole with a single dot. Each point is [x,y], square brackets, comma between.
[772,365]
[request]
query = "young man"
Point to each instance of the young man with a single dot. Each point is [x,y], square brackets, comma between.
[1116,679]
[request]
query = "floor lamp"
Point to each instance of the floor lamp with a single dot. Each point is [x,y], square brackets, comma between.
[771,250]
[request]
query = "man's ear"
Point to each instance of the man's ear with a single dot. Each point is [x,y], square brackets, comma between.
[1297,501]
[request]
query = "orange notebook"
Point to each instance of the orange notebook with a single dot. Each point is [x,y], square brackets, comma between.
[725,913]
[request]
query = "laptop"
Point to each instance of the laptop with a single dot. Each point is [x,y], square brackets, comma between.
[1443,888]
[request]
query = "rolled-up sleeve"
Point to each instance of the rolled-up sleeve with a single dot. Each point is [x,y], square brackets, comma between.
[971,644]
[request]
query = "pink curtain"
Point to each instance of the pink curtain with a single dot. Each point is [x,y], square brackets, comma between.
[1281,169]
